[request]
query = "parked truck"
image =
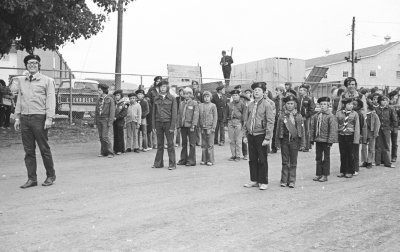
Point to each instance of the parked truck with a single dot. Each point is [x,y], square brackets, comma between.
[84,94]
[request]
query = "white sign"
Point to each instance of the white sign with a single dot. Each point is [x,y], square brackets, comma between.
[179,75]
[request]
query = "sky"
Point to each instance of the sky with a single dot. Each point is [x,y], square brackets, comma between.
[188,32]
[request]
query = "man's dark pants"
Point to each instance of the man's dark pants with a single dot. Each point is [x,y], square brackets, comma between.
[191,158]
[32,130]
[258,159]
[162,129]
[323,158]
[289,152]
[226,70]
[393,136]
[105,132]
[221,130]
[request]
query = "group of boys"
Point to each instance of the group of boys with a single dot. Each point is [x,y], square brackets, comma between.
[253,120]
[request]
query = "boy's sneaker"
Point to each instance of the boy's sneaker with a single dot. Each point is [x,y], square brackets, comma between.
[209,163]
[291,185]
[128,150]
[390,166]
[245,157]
[118,153]
[251,184]
[263,186]
[355,174]
[237,159]
[231,159]
[202,163]
[136,150]
[369,165]
[283,185]
[393,160]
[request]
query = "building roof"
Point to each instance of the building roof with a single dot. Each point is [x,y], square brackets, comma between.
[339,57]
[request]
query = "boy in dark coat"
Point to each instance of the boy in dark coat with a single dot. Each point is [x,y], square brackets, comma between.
[306,107]
[104,118]
[393,103]
[220,101]
[163,122]
[388,119]
[143,146]
[121,110]
[324,134]
[289,136]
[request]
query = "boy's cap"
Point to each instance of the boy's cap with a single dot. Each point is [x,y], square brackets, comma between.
[289,98]
[324,99]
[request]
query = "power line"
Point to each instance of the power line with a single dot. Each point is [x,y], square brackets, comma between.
[379,22]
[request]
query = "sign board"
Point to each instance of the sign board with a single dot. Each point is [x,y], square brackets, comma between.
[317,74]
[179,75]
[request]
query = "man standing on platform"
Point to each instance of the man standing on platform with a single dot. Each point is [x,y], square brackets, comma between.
[34,113]
[220,100]
[226,62]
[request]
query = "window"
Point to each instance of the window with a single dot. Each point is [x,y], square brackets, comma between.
[345,74]
[398,74]
[372,73]
[326,75]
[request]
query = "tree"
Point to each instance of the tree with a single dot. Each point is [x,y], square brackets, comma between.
[48,24]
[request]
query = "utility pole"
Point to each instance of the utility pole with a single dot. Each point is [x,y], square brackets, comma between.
[352,58]
[119,46]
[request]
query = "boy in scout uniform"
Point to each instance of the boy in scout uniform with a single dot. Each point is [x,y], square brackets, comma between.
[234,115]
[104,118]
[289,135]
[258,127]
[188,118]
[324,133]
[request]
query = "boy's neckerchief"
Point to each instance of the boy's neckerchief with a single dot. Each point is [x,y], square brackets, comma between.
[290,122]
[346,119]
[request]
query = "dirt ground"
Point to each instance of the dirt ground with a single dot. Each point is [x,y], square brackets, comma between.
[121,204]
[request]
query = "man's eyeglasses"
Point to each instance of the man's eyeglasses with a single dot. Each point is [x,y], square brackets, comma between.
[33,63]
